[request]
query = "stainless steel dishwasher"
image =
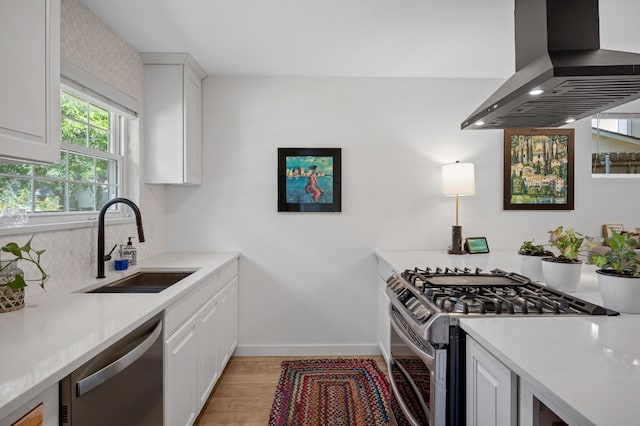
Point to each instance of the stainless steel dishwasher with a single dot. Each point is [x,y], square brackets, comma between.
[120,386]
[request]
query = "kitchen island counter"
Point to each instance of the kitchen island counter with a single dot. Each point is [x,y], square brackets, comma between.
[61,329]
[587,367]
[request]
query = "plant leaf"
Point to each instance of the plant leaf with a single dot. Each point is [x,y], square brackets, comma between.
[599,260]
[27,247]
[17,283]
[12,248]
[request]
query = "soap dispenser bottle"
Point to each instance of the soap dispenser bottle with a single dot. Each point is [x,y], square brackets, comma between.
[130,253]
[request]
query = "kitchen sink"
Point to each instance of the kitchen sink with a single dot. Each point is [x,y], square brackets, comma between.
[143,282]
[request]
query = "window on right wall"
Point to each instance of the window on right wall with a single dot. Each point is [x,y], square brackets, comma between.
[615,145]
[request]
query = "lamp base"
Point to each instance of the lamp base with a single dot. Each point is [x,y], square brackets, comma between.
[456,240]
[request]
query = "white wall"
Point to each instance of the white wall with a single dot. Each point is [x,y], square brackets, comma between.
[308,279]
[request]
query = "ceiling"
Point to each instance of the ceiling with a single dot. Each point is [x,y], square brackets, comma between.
[343,38]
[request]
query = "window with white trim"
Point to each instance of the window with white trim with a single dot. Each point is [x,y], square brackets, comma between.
[90,171]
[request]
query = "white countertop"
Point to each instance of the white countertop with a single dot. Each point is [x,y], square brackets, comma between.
[59,330]
[588,366]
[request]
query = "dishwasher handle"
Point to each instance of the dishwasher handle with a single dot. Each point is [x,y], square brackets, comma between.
[99,377]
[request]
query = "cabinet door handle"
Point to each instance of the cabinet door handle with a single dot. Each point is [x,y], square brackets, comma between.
[99,377]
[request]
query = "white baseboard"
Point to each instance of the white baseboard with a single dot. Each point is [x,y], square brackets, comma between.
[332,350]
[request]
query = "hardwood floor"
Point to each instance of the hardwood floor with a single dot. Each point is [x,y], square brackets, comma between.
[244,393]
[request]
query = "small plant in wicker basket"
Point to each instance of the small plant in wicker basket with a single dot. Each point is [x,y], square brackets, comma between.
[12,281]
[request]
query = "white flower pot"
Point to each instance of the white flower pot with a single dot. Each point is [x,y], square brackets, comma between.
[561,276]
[531,267]
[620,293]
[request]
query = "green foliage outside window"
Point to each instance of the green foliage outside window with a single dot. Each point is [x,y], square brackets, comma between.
[80,181]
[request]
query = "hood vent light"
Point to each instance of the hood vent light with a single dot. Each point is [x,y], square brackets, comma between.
[571,75]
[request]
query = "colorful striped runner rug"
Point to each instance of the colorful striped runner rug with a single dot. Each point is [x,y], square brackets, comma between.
[336,392]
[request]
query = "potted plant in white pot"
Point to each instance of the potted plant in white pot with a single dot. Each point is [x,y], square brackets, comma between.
[531,259]
[562,272]
[619,275]
[12,281]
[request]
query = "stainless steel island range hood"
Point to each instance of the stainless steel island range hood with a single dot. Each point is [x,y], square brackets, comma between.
[561,75]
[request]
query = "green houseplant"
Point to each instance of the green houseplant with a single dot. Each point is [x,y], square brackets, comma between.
[621,259]
[563,272]
[619,274]
[529,249]
[12,281]
[531,259]
[568,242]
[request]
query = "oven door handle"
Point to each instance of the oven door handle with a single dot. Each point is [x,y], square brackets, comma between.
[414,388]
[428,359]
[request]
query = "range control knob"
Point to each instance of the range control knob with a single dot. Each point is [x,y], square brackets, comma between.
[411,302]
[404,296]
[421,312]
[395,284]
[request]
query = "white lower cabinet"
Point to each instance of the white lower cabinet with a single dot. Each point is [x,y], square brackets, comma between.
[40,410]
[201,333]
[491,389]
[536,410]
[208,330]
[384,332]
[181,367]
[229,308]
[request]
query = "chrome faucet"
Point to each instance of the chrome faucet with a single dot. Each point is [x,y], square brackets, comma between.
[136,211]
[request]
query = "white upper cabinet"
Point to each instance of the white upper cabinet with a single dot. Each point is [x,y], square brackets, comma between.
[173,118]
[30,83]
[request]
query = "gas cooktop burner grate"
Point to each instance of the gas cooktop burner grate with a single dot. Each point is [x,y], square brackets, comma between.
[466,291]
[453,277]
[522,299]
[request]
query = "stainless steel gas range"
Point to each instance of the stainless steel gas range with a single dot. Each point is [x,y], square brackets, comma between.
[426,365]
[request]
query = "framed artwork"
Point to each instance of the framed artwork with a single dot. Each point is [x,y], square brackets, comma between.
[538,169]
[608,227]
[309,179]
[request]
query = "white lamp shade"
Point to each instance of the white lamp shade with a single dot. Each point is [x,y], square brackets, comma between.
[458,179]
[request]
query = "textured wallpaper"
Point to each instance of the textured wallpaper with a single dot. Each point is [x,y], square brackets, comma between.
[71,255]
[87,42]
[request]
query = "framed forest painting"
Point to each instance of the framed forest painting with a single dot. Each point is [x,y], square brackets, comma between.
[538,169]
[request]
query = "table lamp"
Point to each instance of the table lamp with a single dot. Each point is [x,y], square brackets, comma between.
[458,179]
